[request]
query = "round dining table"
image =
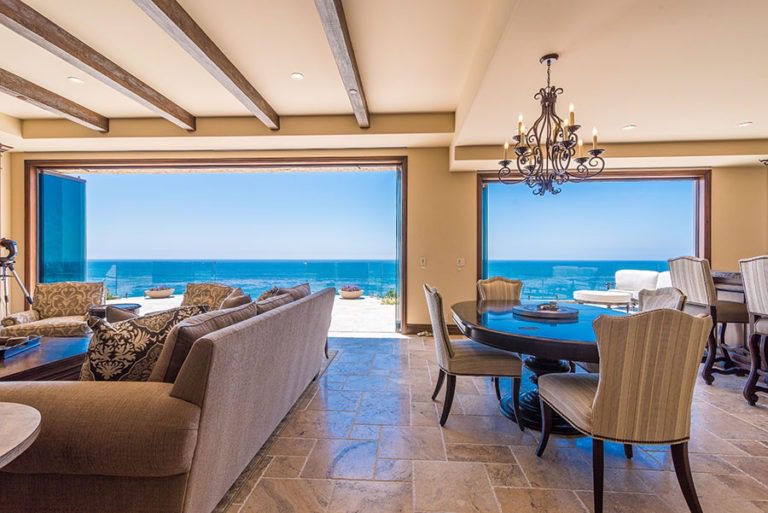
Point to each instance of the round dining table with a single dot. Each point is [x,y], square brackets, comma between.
[546,345]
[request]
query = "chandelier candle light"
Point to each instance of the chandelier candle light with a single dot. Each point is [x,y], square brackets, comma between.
[544,152]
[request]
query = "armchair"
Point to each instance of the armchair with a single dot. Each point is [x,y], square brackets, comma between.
[58,310]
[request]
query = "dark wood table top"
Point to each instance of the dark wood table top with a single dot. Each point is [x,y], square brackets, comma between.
[52,353]
[493,323]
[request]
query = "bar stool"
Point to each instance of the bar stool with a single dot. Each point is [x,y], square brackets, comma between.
[754,274]
[693,277]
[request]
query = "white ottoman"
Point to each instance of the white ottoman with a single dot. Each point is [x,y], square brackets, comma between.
[604,297]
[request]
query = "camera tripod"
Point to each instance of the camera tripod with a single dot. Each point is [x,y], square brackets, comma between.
[5,266]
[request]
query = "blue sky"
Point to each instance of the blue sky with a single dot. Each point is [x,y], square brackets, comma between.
[606,220]
[308,215]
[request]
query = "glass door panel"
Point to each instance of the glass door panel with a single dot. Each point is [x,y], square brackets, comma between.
[61,230]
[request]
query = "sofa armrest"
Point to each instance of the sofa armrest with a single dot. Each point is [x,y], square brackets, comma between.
[106,428]
[21,318]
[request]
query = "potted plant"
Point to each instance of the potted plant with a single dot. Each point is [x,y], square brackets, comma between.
[351,292]
[159,292]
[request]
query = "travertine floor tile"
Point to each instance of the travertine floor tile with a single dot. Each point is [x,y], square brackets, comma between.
[452,486]
[411,443]
[369,497]
[505,474]
[319,424]
[529,500]
[481,453]
[627,503]
[285,466]
[393,470]
[341,459]
[289,496]
[291,447]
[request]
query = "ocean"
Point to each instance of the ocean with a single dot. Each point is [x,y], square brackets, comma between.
[544,279]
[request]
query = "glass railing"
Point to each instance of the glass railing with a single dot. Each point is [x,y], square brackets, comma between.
[130,278]
[550,279]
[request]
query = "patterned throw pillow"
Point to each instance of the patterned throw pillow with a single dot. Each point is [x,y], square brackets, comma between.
[274,291]
[211,295]
[297,292]
[67,298]
[128,350]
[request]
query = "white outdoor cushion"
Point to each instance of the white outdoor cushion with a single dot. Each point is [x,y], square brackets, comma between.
[665,280]
[631,280]
[614,297]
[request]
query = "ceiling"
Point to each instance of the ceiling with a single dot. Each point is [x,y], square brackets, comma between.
[682,70]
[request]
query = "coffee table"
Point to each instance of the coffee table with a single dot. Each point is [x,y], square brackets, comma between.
[56,358]
[19,427]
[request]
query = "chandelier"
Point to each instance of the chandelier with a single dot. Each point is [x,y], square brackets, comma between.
[546,151]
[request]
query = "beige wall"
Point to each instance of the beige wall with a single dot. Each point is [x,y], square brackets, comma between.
[739,215]
[442,215]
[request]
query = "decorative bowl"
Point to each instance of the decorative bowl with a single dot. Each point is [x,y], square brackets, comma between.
[158,293]
[351,294]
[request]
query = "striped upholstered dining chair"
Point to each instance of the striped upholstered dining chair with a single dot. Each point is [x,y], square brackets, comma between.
[649,300]
[643,394]
[499,289]
[693,277]
[754,274]
[467,358]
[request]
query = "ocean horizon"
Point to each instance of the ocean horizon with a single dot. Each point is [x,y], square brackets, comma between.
[543,279]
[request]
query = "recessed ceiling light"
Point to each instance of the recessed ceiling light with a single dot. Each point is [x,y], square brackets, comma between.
[631,126]
[297,75]
[353,91]
[76,80]
[744,124]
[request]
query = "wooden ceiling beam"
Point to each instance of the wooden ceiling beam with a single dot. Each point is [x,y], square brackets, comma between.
[32,25]
[25,90]
[178,24]
[335,25]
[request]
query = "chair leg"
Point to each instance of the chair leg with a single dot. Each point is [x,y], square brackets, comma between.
[449,391]
[727,361]
[439,385]
[516,402]
[546,426]
[628,451]
[684,477]
[497,387]
[709,363]
[598,456]
[754,373]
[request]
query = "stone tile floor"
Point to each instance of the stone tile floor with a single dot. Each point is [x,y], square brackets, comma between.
[365,437]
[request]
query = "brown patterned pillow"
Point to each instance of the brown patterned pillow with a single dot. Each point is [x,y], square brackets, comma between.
[67,298]
[265,305]
[128,350]
[211,295]
[274,291]
[235,299]
[297,292]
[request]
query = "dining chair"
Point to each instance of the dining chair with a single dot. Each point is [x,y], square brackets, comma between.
[498,288]
[648,300]
[467,358]
[754,275]
[643,394]
[693,277]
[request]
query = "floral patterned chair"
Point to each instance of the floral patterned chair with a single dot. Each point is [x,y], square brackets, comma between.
[211,295]
[58,310]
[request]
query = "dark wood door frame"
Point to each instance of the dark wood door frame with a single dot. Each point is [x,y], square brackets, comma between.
[702,201]
[33,168]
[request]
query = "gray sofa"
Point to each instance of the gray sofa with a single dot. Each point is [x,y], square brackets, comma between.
[153,447]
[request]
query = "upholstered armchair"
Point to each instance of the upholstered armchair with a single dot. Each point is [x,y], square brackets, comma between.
[754,274]
[643,394]
[58,310]
[467,358]
[693,277]
[499,289]
[211,295]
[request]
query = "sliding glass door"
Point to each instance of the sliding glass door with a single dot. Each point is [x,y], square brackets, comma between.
[61,234]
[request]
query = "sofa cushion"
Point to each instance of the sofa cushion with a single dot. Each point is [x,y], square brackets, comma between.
[116,314]
[128,350]
[631,280]
[236,298]
[211,295]
[183,336]
[297,292]
[274,291]
[72,326]
[273,302]
[67,298]
[106,429]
